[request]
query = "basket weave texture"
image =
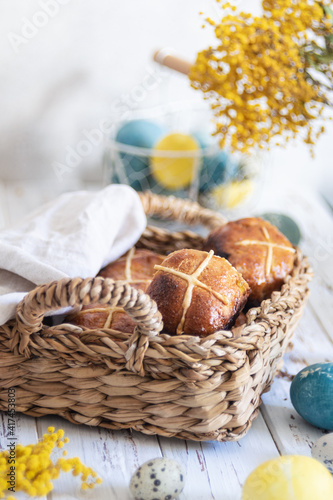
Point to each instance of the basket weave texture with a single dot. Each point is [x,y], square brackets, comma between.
[184,386]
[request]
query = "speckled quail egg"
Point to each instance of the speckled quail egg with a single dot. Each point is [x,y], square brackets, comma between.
[157,479]
[322,451]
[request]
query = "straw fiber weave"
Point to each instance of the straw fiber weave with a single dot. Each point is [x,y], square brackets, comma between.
[184,386]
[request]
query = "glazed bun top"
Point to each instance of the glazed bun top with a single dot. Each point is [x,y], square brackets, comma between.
[258,250]
[99,316]
[136,268]
[197,293]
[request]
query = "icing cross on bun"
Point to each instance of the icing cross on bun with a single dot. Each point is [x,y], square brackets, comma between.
[197,293]
[136,268]
[258,250]
[98,316]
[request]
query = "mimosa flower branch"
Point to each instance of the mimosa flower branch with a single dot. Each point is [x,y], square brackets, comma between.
[268,78]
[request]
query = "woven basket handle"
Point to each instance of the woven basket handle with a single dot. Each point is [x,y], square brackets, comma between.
[73,292]
[189,212]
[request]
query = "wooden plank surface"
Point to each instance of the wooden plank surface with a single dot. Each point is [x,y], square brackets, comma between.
[218,470]
[214,470]
[290,432]
[114,455]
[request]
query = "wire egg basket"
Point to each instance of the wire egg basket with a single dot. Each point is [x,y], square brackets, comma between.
[219,180]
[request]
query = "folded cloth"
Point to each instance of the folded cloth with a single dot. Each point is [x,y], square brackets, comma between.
[75,235]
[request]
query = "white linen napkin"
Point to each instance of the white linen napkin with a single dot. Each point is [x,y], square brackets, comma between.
[75,235]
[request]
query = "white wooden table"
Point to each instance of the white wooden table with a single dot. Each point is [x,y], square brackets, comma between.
[213,470]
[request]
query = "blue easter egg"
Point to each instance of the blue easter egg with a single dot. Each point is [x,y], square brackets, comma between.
[216,168]
[213,171]
[141,134]
[311,394]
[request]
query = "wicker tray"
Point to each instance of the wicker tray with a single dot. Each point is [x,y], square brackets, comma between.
[184,386]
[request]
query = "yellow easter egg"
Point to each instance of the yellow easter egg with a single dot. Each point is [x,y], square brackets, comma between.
[170,170]
[231,194]
[290,477]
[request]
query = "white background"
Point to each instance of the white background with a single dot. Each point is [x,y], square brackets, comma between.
[89,55]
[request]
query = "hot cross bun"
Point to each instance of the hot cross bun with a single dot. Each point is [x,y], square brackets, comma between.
[136,268]
[197,293]
[258,250]
[103,316]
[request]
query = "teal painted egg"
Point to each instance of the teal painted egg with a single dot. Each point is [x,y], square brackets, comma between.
[140,134]
[217,166]
[285,224]
[213,171]
[311,393]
